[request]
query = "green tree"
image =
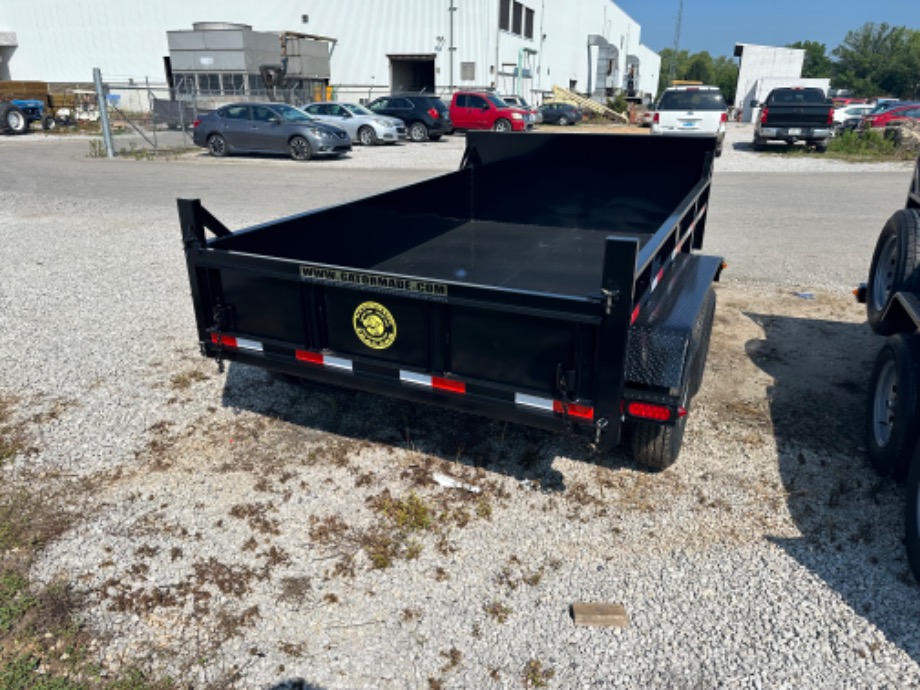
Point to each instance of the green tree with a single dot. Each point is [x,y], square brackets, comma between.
[879,60]
[817,63]
[721,71]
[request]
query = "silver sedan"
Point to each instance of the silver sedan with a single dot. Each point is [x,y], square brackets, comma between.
[364,126]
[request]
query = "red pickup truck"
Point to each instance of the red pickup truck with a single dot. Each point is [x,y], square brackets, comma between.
[484,110]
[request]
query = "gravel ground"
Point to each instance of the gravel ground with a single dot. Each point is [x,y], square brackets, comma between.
[239,530]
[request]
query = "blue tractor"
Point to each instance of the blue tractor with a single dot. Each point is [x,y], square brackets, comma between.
[17,115]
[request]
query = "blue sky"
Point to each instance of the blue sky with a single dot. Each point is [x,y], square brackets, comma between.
[716,25]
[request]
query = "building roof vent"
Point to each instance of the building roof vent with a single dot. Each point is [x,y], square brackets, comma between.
[220,26]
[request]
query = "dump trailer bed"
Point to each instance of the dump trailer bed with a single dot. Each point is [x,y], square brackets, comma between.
[551,280]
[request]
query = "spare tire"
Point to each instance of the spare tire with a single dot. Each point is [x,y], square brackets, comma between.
[895,266]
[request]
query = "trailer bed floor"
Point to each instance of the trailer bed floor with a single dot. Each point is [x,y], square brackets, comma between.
[565,261]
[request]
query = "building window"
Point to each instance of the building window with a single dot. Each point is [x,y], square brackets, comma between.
[504,15]
[467,71]
[209,83]
[528,23]
[517,19]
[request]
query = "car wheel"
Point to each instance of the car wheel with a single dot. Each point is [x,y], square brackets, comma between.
[563,120]
[217,145]
[367,136]
[418,131]
[502,125]
[895,266]
[821,148]
[300,149]
[890,432]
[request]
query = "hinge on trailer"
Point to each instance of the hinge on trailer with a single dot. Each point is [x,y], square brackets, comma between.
[565,382]
[221,315]
[612,296]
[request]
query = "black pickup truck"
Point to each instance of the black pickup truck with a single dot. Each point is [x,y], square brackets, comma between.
[892,298]
[794,114]
[542,283]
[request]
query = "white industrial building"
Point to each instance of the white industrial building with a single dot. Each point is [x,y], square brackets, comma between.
[519,46]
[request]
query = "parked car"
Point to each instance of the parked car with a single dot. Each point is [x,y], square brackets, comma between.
[694,110]
[519,102]
[850,111]
[268,128]
[363,126]
[426,117]
[485,110]
[558,113]
[892,117]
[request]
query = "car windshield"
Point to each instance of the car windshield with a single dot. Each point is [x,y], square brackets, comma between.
[496,101]
[292,114]
[692,99]
[356,109]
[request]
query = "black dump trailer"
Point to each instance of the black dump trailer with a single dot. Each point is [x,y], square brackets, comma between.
[892,298]
[551,281]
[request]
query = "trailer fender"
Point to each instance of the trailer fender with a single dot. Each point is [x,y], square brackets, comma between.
[670,326]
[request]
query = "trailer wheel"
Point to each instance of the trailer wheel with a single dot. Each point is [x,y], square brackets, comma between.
[14,120]
[217,145]
[367,136]
[300,149]
[912,514]
[895,266]
[891,419]
[655,446]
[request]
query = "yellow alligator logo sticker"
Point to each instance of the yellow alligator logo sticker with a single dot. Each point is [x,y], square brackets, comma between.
[374,325]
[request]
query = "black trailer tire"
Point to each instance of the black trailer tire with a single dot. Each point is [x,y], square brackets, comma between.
[418,131]
[14,120]
[217,145]
[502,125]
[912,514]
[367,136]
[48,123]
[299,149]
[656,446]
[895,266]
[891,418]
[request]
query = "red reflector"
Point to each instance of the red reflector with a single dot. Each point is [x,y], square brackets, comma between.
[225,340]
[311,357]
[635,315]
[577,411]
[724,117]
[434,113]
[659,413]
[448,385]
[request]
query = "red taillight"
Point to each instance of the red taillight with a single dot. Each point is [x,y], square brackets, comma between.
[572,410]
[225,340]
[434,113]
[196,123]
[830,116]
[656,118]
[763,115]
[724,118]
[657,413]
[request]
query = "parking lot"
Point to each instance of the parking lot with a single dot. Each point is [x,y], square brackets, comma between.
[222,527]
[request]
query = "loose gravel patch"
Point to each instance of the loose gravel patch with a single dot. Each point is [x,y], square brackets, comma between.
[240,530]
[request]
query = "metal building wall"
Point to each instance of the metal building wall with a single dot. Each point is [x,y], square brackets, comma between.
[62,41]
[758,62]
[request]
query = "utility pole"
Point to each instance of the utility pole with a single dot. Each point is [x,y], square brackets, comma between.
[672,70]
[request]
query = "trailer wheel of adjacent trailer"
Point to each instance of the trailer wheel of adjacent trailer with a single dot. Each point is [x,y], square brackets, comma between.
[891,419]
[13,120]
[299,149]
[367,136]
[217,145]
[895,266]
[912,514]
[418,131]
[502,125]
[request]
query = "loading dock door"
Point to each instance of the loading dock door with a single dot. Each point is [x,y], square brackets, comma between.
[412,72]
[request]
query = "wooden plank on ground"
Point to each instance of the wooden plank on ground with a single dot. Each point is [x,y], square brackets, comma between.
[600,615]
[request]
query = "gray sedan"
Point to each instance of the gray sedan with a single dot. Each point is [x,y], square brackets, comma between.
[268,128]
[364,126]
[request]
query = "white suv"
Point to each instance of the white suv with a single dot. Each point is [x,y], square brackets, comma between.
[695,110]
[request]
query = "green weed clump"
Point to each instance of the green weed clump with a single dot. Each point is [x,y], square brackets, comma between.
[871,143]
